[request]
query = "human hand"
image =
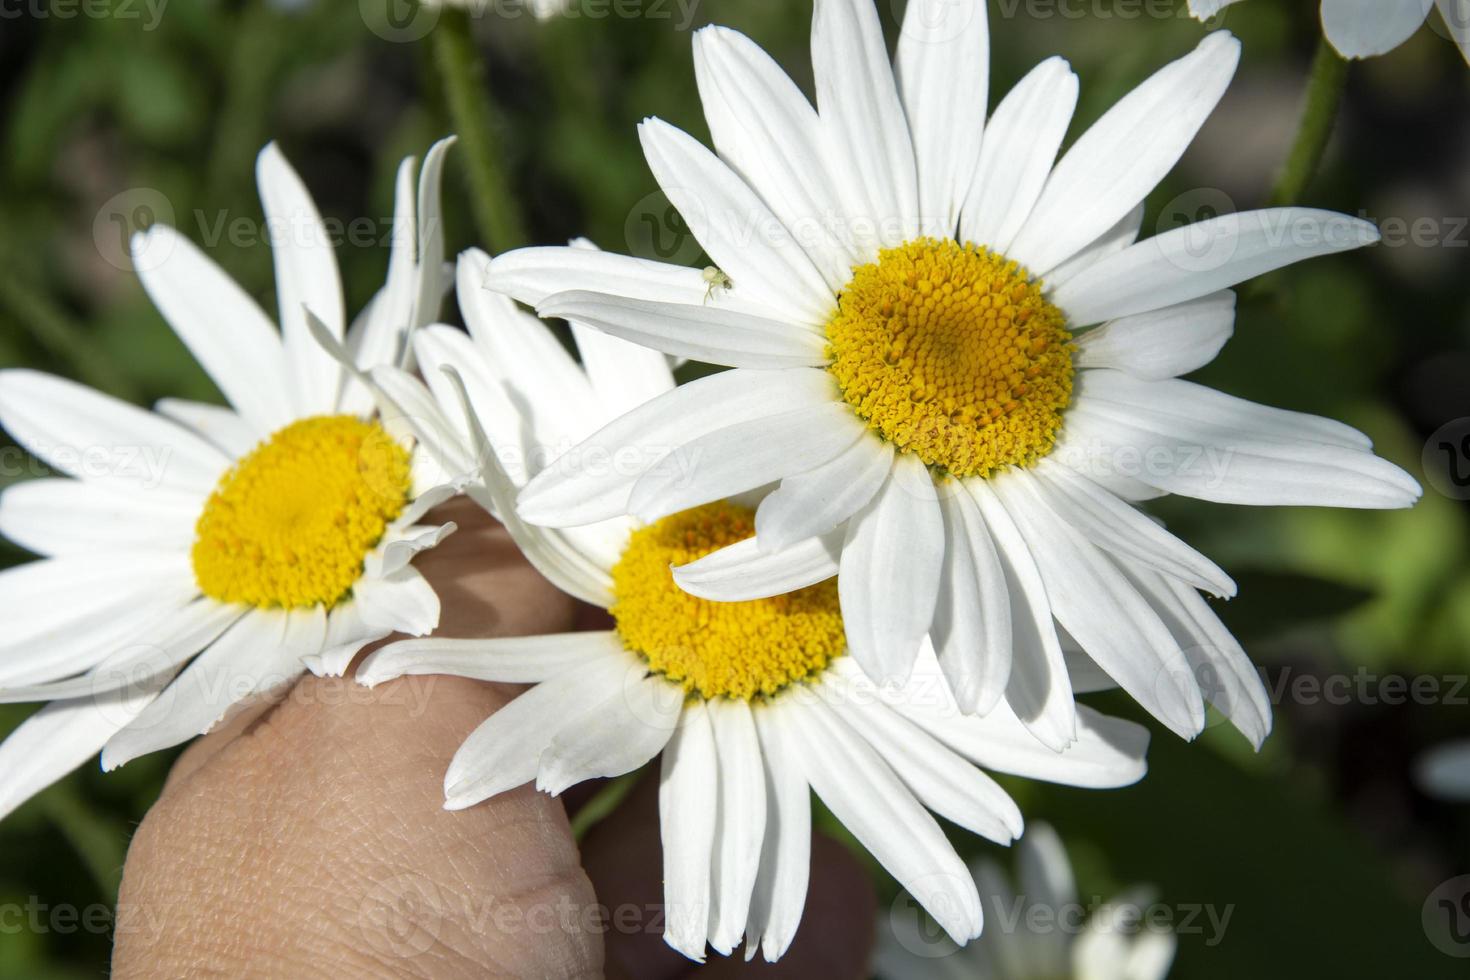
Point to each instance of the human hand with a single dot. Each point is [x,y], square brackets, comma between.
[308,836]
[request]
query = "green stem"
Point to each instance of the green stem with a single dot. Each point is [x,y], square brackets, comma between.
[463,74]
[1324,95]
[602,803]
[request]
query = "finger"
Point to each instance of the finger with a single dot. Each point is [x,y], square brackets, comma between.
[317,842]
[623,857]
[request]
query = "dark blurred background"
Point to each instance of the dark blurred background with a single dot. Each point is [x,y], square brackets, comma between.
[117,113]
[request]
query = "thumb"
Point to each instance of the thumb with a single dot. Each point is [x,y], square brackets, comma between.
[317,842]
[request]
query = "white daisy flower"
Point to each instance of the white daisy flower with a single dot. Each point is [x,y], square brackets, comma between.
[749,703]
[242,541]
[1037,933]
[1364,28]
[957,363]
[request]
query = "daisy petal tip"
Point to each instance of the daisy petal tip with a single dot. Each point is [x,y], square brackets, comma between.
[687,950]
[454,803]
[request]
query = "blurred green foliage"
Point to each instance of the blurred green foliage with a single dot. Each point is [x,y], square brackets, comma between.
[1320,842]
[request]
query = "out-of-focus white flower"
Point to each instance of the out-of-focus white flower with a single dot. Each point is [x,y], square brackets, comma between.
[1040,932]
[1364,28]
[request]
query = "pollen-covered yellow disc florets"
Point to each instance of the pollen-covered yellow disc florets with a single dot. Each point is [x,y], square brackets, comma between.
[950,352]
[290,524]
[738,650]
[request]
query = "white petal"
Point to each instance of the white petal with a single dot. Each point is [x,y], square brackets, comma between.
[77,517]
[943,71]
[745,456]
[411,542]
[703,333]
[1165,343]
[413,406]
[514,424]
[740,822]
[93,436]
[735,227]
[1098,606]
[1363,28]
[1046,881]
[815,501]
[744,571]
[1121,529]
[1114,165]
[631,726]
[938,777]
[252,657]
[59,738]
[39,600]
[430,279]
[1203,258]
[511,660]
[1187,400]
[416,281]
[785,863]
[859,105]
[1187,439]
[1220,666]
[592,482]
[378,337]
[220,425]
[1045,872]
[890,567]
[764,127]
[1205,9]
[972,620]
[687,806]
[223,327]
[403,601]
[623,375]
[1108,752]
[1111,242]
[868,797]
[347,634]
[516,342]
[1021,143]
[78,637]
[1038,691]
[306,279]
[190,630]
[504,752]
[530,275]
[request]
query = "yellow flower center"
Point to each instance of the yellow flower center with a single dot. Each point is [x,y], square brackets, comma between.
[290,524]
[737,650]
[950,352]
